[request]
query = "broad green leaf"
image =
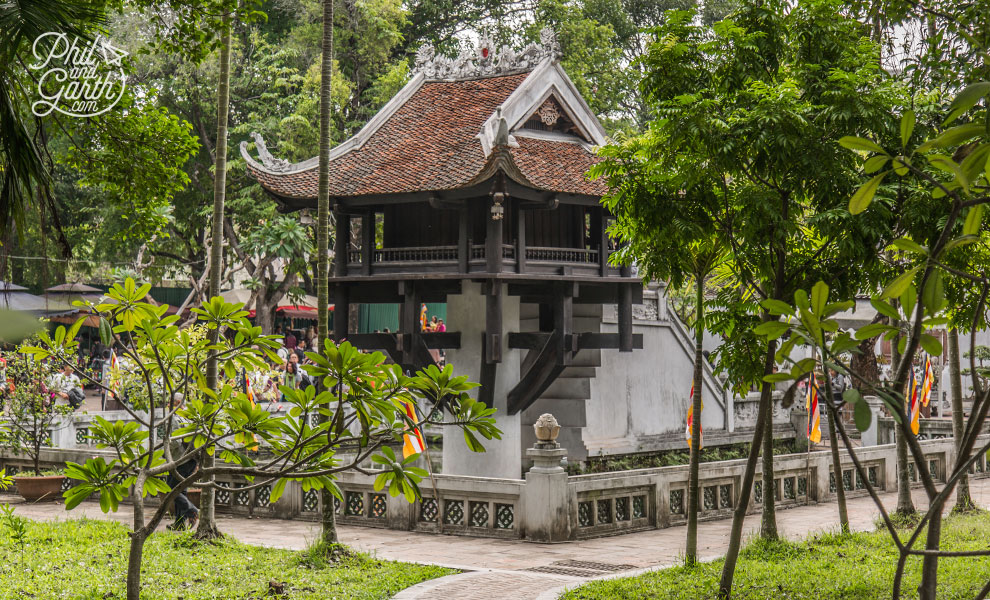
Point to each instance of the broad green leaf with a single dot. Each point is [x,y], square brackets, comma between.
[277,491]
[777,307]
[952,137]
[901,166]
[771,329]
[884,308]
[931,344]
[875,163]
[862,415]
[873,330]
[907,127]
[934,293]
[858,143]
[966,99]
[909,245]
[974,219]
[960,241]
[801,299]
[852,396]
[864,195]
[819,297]
[777,377]
[897,287]
[908,299]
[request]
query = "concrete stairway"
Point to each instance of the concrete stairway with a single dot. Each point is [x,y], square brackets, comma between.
[567,396]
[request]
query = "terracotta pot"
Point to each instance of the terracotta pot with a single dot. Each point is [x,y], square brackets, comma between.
[36,489]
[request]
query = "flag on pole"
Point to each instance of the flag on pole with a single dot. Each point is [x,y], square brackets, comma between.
[914,403]
[927,381]
[413,442]
[246,385]
[814,419]
[113,373]
[690,420]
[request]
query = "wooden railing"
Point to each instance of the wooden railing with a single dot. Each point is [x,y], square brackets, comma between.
[562,255]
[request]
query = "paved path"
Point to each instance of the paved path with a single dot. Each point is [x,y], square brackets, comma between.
[515,570]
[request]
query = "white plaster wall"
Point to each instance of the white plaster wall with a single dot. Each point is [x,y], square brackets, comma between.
[645,392]
[503,458]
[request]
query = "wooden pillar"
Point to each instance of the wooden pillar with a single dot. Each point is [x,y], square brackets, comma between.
[563,320]
[341,311]
[520,240]
[367,242]
[409,325]
[603,248]
[493,243]
[493,322]
[463,239]
[625,312]
[341,242]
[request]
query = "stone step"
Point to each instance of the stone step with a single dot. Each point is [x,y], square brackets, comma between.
[569,412]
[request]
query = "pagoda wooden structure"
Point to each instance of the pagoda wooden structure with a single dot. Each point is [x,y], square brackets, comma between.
[469,188]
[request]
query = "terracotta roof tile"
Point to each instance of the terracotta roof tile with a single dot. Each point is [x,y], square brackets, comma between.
[430,144]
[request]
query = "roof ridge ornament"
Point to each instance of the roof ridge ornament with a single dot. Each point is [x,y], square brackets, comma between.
[484,59]
[278,165]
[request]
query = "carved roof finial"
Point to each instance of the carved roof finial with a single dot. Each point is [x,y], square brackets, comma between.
[279,165]
[484,59]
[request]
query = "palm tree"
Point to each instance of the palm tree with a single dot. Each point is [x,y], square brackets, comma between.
[25,175]
[329,534]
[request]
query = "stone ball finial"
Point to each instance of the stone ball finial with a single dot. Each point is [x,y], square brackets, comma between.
[546,428]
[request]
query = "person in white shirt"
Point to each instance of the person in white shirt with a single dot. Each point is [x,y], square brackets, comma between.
[67,386]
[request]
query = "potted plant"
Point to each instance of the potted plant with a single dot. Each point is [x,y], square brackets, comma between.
[29,411]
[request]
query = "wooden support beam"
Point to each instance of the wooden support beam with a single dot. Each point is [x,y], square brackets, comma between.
[520,239]
[409,325]
[463,240]
[341,241]
[493,321]
[450,340]
[527,340]
[625,315]
[543,370]
[486,393]
[563,320]
[367,242]
[341,311]
[493,243]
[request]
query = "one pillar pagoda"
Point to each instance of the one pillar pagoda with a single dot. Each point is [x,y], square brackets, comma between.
[469,188]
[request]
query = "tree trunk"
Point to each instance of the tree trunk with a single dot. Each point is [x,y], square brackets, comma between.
[739,513]
[329,521]
[694,489]
[264,314]
[905,505]
[833,439]
[207,524]
[929,566]
[134,559]
[963,500]
[768,522]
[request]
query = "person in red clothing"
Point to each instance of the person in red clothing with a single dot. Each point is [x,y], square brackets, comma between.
[290,340]
[441,328]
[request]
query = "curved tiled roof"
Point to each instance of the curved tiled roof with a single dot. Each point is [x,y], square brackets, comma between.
[430,143]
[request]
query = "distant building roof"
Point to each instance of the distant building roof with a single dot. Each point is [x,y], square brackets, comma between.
[440,131]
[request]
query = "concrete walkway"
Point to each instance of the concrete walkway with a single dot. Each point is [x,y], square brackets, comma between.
[516,570]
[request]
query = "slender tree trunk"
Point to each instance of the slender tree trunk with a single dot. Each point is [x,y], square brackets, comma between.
[691,552]
[329,521]
[134,558]
[905,505]
[768,522]
[929,566]
[963,500]
[138,536]
[833,442]
[207,522]
[739,514]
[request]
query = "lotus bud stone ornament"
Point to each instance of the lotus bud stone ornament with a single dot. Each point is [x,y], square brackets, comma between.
[547,429]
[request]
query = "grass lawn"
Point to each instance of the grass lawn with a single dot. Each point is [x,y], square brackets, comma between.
[85,560]
[825,567]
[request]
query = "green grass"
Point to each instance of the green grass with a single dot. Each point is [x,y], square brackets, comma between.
[87,560]
[826,567]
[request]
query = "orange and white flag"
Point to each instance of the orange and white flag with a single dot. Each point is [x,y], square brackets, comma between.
[927,381]
[412,441]
[913,401]
[690,420]
[814,419]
